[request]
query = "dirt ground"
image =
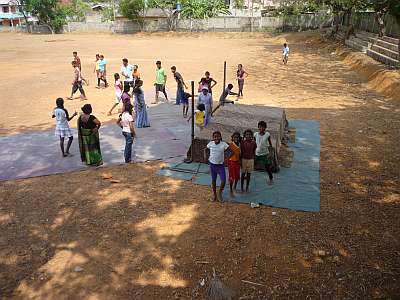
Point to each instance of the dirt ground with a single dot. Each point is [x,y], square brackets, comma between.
[148,237]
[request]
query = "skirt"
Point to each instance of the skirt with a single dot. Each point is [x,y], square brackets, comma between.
[89,147]
[63,133]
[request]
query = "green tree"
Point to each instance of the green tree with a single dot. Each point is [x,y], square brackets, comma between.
[49,12]
[203,9]
[134,10]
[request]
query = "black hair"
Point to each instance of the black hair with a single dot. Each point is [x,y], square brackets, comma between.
[127,87]
[201,107]
[262,124]
[74,52]
[173,68]
[284,45]
[73,62]
[237,133]
[207,73]
[125,60]
[217,132]
[158,62]
[230,86]
[138,83]
[128,108]
[240,65]
[60,103]
[87,109]
[248,131]
[116,76]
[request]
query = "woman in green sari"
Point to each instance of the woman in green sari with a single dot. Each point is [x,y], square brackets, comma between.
[88,134]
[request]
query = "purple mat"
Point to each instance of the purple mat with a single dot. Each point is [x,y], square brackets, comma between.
[37,154]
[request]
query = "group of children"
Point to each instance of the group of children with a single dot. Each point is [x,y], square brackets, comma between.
[243,154]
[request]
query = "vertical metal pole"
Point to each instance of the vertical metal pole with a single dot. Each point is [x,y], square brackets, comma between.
[192,151]
[224,86]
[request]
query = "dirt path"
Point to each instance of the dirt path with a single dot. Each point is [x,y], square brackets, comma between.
[150,236]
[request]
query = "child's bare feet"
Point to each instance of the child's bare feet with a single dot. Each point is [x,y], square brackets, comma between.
[220,196]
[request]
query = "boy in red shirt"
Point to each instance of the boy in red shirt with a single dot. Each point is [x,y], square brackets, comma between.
[234,162]
[248,152]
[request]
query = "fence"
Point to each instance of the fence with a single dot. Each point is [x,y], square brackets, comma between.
[366,21]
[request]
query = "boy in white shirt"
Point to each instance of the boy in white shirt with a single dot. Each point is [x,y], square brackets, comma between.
[264,145]
[285,53]
[216,149]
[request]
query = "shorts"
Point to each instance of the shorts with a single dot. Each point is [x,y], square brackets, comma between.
[263,160]
[217,170]
[247,165]
[63,133]
[160,87]
[234,170]
[118,99]
[181,97]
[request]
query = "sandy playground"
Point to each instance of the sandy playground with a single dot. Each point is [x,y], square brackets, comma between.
[147,237]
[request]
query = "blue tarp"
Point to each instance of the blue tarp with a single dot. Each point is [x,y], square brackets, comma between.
[296,187]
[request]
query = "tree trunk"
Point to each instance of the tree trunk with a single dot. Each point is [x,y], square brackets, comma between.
[381,23]
[350,27]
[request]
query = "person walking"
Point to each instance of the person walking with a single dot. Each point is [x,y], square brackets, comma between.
[127,73]
[79,64]
[180,91]
[161,79]
[77,82]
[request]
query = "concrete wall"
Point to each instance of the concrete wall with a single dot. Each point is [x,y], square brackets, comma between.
[88,26]
[233,24]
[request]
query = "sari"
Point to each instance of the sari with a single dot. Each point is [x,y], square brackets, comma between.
[89,145]
[141,118]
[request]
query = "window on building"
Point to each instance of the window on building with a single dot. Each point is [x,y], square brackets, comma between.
[6,9]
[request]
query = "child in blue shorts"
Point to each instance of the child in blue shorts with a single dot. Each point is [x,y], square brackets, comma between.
[216,149]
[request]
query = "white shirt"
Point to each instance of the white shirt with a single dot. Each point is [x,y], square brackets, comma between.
[61,119]
[127,72]
[217,152]
[262,143]
[117,87]
[125,119]
[205,99]
[285,51]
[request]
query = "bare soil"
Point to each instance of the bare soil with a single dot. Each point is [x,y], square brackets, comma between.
[126,233]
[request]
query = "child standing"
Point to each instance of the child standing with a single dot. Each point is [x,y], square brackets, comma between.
[125,121]
[234,162]
[142,120]
[248,151]
[241,74]
[217,148]
[285,53]
[199,119]
[126,98]
[263,141]
[118,92]
[62,127]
